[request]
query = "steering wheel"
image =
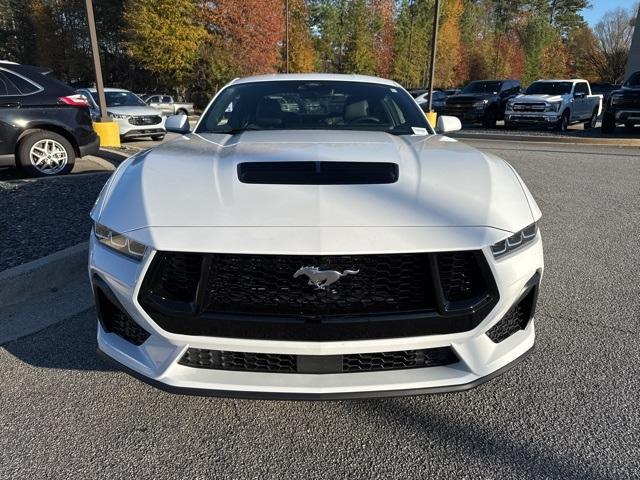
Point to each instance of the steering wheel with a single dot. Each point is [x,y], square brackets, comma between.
[365,120]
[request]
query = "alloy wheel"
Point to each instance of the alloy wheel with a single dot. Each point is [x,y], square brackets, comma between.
[48,156]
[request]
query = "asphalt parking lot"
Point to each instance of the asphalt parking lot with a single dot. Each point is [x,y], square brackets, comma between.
[570,410]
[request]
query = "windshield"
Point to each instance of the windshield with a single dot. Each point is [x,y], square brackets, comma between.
[120,99]
[634,80]
[313,105]
[549,88]
[483,87]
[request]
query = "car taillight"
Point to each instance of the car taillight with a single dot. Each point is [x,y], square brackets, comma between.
[74,100]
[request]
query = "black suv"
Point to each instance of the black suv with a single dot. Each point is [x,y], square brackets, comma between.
[482,101]
[623,106]
[44,125]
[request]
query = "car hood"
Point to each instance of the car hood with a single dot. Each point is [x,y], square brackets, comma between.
[193,181]
[539,98]
[134,110]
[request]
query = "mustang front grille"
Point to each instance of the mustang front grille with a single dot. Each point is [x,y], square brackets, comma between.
[315,298]
[349,363]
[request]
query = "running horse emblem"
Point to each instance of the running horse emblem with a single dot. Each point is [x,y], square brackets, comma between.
[321,279]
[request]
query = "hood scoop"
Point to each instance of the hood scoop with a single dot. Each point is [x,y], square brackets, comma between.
[318,173]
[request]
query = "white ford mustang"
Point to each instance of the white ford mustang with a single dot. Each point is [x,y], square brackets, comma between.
[313,237]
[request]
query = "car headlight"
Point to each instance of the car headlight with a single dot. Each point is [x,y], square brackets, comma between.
[515,241]
[117,115]
[118,242]
[480,104]
[510,104]
[553,107]
[617,98]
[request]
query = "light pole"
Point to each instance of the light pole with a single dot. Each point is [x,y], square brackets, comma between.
[96,62]
[434,41]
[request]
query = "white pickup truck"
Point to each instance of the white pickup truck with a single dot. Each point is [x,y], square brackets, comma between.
[554,103]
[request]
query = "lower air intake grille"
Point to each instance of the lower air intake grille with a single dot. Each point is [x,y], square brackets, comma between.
[370,362]
[114,320]
[351,363]
[247,362]
[516,319]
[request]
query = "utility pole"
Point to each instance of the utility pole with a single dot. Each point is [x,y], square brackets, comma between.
[286,29]
[434,43]
[96,62]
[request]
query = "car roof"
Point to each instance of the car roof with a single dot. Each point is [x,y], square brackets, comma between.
[562,80]
[93,90]
[317,77]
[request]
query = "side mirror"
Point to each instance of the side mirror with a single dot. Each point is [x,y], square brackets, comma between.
[178,124]
[447,124]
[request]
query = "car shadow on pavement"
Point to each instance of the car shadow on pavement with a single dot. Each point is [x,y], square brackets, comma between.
[69,345]
[468,439]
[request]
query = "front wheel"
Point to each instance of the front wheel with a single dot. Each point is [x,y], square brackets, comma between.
[563,123]
[608,123]
[45,154]
[490,119]
[592,121]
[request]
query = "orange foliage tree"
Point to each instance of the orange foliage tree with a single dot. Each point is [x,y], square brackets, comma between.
[252,29]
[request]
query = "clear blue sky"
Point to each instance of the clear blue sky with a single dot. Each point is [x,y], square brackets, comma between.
[599,7]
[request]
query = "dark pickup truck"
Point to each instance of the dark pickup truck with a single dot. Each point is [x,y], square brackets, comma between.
[482,101]
[623,105]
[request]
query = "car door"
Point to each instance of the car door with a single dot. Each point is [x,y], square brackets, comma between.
[166,105]
[154,101]
[9,105]
[580,101]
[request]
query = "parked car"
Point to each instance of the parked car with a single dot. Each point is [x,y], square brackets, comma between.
[167,105]
[623,106]
[482,101]
[416,92]
[134,118]
[437,104]
[44,125]
[323,253]
[555,103]
[604,89]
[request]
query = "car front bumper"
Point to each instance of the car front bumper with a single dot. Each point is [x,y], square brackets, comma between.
[156,360]
[547,118]
[127,130]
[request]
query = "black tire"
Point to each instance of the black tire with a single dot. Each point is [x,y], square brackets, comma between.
[24,154]
[608,123]
[157,138]
[563,122]
[592,121]
[490,119]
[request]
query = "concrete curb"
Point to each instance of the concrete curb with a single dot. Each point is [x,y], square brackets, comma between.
[618,142]
[45,274]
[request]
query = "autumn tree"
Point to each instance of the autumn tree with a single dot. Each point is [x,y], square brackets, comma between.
[164,38]
[252,30]
[450,71]
[302,56]
[384,35]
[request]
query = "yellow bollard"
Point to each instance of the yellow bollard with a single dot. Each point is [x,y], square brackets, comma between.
[432,117]
[109,133]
